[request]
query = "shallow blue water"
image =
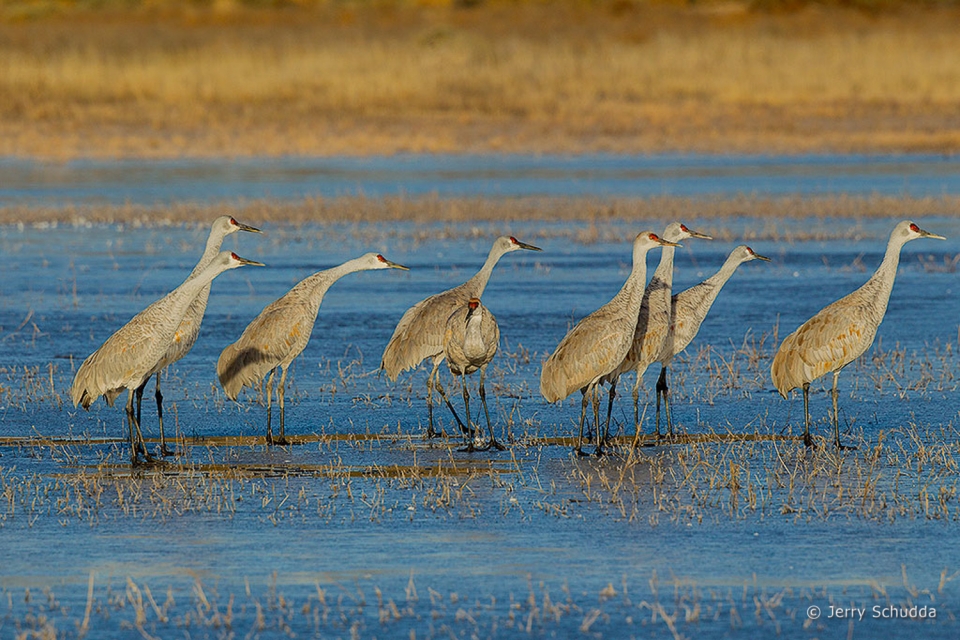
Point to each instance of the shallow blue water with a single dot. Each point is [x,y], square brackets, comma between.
[167,181]
[66,289]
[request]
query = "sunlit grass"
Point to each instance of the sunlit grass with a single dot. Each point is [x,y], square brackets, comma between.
[560,77]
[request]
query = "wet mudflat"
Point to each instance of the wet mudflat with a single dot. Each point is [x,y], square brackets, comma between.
[362,528]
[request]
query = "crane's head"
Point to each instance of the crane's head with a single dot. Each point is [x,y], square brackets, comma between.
[677,231]
[910,231]
[506,244]
[372,261]
[650,240]
[225,225]
[229,260]
[749,254]
[472,305]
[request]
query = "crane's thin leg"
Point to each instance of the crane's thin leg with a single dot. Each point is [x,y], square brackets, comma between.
[136,442]
[596,421]
[483,396]
[465,429]
[636,406]
[140,397]
[583,415]
[836,415]
[663,389]
[467,435]
[282,440]
[610,397]
[164,451]
[269,392]
[807,440]
[433,374]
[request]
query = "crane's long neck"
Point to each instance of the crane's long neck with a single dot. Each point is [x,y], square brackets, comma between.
[181,297]
[720,278]
[214,240]
[478,283]
[880,283]
[632,291]
[316,286]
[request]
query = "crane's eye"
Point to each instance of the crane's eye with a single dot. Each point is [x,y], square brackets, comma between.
[653,237]
[234,222]
[381,258]
[683,228]
[514,240]
[234,256]
[914,228]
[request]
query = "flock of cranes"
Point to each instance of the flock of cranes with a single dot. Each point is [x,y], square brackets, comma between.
[644,323]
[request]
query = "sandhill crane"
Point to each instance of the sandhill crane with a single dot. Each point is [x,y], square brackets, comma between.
[189,329]
[690,307]
[134,353]
[470,341]
[597,345]
[281,332]
[653,321]
[419,334]
[841,332]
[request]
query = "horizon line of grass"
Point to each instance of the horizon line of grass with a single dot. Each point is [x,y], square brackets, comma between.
[433,208]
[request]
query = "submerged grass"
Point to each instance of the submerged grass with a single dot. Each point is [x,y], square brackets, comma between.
[355,606]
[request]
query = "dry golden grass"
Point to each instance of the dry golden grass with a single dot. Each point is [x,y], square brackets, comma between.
[553,77]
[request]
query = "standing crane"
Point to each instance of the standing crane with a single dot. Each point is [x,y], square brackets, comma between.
[653,321]
[470,341]
[841,332]
[690,307]
[135,352]
[419,334]
[597,345]
[189,329]
[281,332]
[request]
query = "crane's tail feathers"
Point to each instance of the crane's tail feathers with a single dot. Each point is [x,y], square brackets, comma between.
[240,367]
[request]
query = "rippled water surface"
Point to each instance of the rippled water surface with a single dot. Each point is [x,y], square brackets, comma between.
[364,528]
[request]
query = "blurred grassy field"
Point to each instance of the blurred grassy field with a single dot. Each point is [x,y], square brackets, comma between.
[162,79]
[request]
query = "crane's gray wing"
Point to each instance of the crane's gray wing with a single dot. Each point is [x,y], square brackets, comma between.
[826,342]
[593,348]
[108,370]
[276,336]
[419,334]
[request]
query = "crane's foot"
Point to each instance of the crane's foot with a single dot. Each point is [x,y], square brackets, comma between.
[846,447]
[580,452]
[808,441]
[493,444]
[469,448]
[164,451]
[281,441]
[431,434]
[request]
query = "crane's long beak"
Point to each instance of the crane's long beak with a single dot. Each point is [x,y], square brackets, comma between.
[927,234]
[394,265]
[246,227]
[524,245]
[667,243]
[697,234]
[760,257]
[252,263]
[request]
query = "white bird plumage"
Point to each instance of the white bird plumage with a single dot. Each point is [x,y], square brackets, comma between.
[470,342]
[597,345]
[134,352]
[689,309]
[841,332]
[419,334]
[281,332]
